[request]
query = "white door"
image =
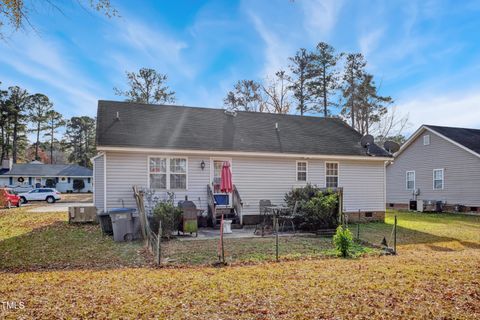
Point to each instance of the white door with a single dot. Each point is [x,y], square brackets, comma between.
[222,199]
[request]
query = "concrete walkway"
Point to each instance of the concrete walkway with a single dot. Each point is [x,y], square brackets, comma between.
[57,207]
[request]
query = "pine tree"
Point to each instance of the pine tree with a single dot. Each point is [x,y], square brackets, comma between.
[326,77]
[352,79]
[302,73]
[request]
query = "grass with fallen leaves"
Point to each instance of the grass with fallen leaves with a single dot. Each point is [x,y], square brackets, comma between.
[32,240]
[421,282]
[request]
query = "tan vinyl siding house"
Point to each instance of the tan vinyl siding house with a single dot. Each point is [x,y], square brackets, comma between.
[430,151]
[269,155]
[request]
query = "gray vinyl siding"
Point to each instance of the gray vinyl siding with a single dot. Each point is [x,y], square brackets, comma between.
[256,178]
[98,182]
[461,172]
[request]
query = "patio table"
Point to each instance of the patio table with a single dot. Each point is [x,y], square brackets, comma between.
[268,213]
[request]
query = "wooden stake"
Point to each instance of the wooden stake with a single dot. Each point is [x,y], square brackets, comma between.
[395,236]
[159,237]
[276,236]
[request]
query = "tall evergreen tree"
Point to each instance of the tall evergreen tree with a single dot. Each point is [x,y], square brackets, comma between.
[352,79]
[39,106]
[17,103]
[326,77]
[302,72]
[80,140]
[372,105]
[54,122]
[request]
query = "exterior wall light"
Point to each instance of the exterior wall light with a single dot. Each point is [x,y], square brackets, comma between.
[202,165]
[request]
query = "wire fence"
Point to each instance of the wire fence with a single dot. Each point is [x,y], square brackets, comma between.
[244,246]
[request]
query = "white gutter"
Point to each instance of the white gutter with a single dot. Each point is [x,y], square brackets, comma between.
[242,153]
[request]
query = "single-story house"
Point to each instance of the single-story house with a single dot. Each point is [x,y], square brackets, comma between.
[437,164]
[36,174]
[181,150]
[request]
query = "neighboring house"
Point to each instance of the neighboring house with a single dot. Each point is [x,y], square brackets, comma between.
[181,150]
[36,174]
[439,164]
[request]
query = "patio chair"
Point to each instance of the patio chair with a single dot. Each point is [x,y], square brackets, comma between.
[262,204]
[288,218]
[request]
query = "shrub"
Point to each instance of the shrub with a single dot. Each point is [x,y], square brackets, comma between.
[170,217]
[317,208]
[321,211]
[343,241]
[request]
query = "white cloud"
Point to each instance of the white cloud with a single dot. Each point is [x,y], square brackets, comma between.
[368,42]
[44,63]
[460,109]
[277,50]
[146,44]
[321,15]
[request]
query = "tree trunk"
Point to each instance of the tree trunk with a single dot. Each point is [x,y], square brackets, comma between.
[325,106]
[38,141]
[51,146]
[14,138]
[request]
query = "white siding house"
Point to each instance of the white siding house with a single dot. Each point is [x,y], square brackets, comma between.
[36,174]
[176,149]
[439,164]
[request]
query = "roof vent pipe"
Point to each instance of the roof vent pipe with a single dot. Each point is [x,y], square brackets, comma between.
[117,117]
[276,126]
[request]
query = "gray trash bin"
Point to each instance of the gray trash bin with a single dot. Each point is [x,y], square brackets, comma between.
[125,224]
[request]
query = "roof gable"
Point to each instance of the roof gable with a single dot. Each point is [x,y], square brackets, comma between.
[188,128]
[467,139]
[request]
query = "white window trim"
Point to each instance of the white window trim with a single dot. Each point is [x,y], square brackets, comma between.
[306,171]
[168,171]
[338,173]
[443,178]
[426,140]
[406,180]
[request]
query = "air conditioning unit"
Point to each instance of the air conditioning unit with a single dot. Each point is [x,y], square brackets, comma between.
[82,214]
[420,205]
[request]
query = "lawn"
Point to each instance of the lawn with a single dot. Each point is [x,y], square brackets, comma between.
[31,240]
[423,281]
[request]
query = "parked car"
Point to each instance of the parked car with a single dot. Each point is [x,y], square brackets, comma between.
[40,194]
[8,198]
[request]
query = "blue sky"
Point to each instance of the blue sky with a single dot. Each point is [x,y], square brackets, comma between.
[425,54]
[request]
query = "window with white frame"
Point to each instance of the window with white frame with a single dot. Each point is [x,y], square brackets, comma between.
[438,179]
[168,173]
[331,174]
[426,140]
[302,167]
[410,180]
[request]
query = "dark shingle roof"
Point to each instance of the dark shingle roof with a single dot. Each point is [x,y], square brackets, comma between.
[175,127]
[49,170]
[469,138]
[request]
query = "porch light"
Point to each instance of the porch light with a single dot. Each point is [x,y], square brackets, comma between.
[202,165]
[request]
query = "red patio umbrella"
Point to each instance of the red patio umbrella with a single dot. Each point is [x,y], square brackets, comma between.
[226,178]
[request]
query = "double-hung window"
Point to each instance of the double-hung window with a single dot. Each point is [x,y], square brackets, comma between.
[331,174]
[438,179]
[410,176]
[168,173]
[302,167]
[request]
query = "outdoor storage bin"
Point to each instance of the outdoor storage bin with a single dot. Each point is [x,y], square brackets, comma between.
[125,223]
[105,222]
